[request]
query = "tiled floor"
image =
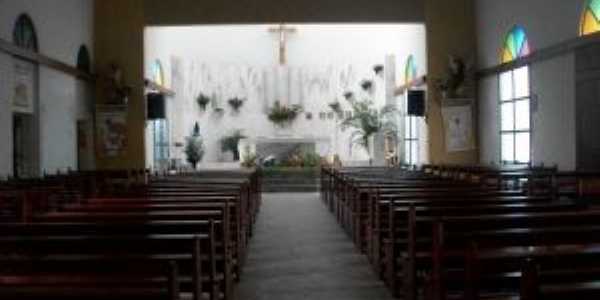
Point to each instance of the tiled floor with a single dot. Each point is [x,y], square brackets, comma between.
[300,252]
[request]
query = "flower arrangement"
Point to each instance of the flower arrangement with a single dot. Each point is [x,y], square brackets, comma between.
[282,114]
[367,85]
[203,100]
[250,158]
[236,103]
[378,69]
[348,95]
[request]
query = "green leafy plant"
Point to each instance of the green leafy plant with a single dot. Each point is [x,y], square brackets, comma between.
[203,100]
[378,69]
[219,111]
[366,120]
[311,160]
[367,85]
[194,148]
[236,103]
[230,143]
[282,115]
[337,108]
[348,95]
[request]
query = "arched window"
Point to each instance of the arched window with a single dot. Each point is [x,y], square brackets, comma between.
[411,128]
[84,63]
[516,45]
[514,101]
[590,19]
[410,70]
[24,34]
[158,75]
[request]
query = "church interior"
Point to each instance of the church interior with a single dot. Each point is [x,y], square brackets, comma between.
[250,150]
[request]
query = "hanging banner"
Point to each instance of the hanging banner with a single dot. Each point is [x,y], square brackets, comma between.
[24,87]
[111,131]
[458,124]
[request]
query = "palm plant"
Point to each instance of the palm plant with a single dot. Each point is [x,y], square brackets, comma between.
[367,121]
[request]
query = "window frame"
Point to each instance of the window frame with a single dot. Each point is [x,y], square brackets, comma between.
[411,136]
[514,132]
[161,140]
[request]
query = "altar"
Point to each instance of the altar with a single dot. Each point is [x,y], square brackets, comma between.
[281,148]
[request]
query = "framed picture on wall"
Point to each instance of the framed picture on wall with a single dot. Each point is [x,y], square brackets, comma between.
[24,82]
[111,126]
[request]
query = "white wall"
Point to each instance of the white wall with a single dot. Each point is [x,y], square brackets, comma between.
[547,23]
[251,48]
[61,27]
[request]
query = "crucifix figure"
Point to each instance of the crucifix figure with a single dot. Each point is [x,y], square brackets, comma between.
[283,32]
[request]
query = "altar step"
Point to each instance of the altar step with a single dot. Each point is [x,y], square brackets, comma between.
[290,181]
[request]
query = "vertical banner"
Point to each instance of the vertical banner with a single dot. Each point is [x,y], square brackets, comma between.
[458,124]
[24,90]
[111,130]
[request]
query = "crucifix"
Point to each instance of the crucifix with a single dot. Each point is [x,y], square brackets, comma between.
[283,32]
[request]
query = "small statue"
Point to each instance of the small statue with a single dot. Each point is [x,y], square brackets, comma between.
[453,84]
[116,92]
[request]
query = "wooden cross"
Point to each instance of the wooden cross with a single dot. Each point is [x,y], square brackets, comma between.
[283,32]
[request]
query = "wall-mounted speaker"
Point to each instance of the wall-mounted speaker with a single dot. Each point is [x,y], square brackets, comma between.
[156,106]
[416,103]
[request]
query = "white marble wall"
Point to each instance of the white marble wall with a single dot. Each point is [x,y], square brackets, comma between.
[324,62]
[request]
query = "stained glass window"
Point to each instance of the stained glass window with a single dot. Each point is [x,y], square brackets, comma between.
[24,34]
[410,71]
[83,60]
[590,19]
[158,75]
[514,102]
[516,45]
[411,128]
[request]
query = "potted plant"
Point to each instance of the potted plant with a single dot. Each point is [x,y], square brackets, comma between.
[236,103]
[337,108]
[194,148]
[230,143]
[202,100]
[282,115]
[367,85]
[378,69]
[367,121]
[219,111]
[349,96]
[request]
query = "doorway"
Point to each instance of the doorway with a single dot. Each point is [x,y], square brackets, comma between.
[24,158]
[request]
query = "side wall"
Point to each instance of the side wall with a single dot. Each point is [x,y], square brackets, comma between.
[62,27]
[547,23]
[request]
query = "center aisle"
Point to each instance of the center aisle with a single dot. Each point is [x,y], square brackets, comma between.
[300,252]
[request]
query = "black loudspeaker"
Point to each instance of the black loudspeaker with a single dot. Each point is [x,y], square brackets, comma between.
[156,106]
[416,103]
